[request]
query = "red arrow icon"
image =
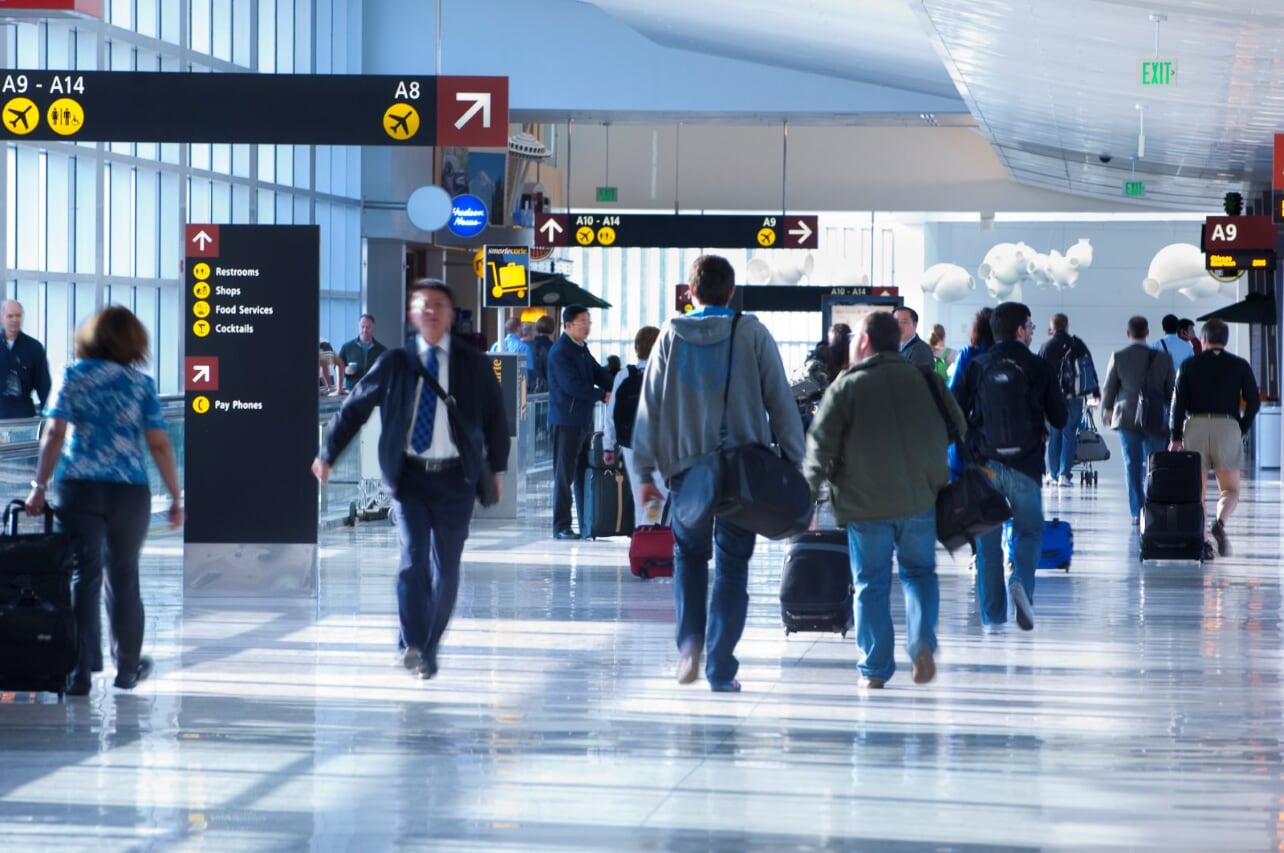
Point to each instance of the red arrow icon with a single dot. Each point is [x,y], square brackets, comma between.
[202,241]
[472,111]
[200,373]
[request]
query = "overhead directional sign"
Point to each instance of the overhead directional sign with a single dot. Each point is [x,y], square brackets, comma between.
[677,231]
[303,109]
[1234,244]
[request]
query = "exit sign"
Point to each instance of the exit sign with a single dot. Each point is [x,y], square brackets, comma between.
[1158,72]
[1134,188]
[607,193]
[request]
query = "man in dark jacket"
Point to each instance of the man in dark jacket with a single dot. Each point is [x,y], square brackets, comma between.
[1007,394]
[576,382]
[915,350]
[23,367]
[1064,354]
[432,479]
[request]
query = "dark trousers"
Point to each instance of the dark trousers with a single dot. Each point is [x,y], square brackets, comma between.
[108,523]
[432,511]
[569,464]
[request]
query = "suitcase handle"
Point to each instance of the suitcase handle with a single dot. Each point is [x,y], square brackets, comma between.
[16,507]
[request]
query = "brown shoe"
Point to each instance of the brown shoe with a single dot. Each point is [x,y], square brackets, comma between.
[867,683]
[689,665]
[924,668]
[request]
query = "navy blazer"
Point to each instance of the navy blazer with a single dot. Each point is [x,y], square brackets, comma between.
[390,385]
[576,382]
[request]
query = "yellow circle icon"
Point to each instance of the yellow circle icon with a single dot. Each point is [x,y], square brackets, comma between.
[606,235]
[201,309]
[201,290]
[766,237]
[201,271]
[65,117]
[200,404]
[201,328]
[479,263]
[401,121]
[584,236]
[21,116]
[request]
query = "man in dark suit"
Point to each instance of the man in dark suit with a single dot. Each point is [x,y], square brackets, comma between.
[916,350]
[433,484]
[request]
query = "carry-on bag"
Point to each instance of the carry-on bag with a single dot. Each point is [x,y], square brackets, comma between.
[1172,531]
[38,647]
[1172,477]
[608,503]
[1090,447]
[651,549]
[816,587]
[1056,547]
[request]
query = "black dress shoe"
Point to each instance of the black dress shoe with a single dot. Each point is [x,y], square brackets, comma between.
[566,534]
[78,684]
[127,679]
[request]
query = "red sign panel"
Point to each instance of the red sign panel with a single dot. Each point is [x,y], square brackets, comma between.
[472,111]
[1238,234]
[201,241]
[51,8]
[1277,164]
[200,373]
[551,229]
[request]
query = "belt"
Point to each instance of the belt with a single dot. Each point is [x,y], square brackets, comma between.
[432,466]
[1211,415]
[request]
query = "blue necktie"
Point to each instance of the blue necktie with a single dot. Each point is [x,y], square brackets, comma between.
[421,438]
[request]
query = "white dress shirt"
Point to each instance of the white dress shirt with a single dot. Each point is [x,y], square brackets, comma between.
[443,446]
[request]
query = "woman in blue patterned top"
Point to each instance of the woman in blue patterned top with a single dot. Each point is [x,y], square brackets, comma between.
[103,498]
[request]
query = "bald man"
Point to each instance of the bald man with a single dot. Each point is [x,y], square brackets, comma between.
[23,367]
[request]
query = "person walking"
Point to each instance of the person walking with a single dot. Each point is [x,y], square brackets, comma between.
[621,415]
[1214,405]
[1065,354]
[103,498]
[1007,394]
[1134,371]
[697,364]
[878,442]
[433,484]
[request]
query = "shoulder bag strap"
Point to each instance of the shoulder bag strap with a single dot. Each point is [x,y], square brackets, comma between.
[431,382]
[726,388]
[965,455]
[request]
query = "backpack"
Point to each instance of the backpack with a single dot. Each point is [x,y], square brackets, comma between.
[1078,375]
[1007,427]
[626,406]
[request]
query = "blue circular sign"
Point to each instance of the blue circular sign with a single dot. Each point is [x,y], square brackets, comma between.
[468,216]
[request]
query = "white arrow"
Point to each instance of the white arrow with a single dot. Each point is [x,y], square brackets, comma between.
[202,240]
[551,229]
[201,373]
[481,104]
[802,231]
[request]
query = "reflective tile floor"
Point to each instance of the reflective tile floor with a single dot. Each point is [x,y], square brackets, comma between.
[1144,712]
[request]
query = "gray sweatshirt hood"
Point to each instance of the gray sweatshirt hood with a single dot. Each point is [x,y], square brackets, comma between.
[704,329]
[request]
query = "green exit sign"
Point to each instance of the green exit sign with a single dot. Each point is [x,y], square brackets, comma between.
[1158,72]
[607,193]
[1134,188]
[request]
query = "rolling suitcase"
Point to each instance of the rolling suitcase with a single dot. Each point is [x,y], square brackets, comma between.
[816,587]
[608,503]
[38,647]
[1172,531]
[1172,477]
[1090,448]
[593,447]
[1056,549]
[651,551]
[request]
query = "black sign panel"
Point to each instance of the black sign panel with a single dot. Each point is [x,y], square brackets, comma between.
[772,297]
[252,314]
[677,231]
[1231,264]
[304,109]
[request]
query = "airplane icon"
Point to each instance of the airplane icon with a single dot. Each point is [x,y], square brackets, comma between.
[400,121]
[20,116]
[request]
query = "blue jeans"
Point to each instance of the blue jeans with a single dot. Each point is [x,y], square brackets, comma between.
[1026,499]
[719,628]
[1137,447]
[1062,443]
[871,544]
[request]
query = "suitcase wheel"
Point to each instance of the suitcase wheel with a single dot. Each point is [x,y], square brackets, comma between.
[351,520]
[643,573]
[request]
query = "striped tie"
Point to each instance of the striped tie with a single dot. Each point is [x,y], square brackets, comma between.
[421,438]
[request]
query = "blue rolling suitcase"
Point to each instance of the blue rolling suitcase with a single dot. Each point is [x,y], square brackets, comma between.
[1057,549]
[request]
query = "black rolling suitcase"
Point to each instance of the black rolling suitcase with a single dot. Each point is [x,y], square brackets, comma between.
[1172,531]
[816,583]
[608,503]
[1172,477]
[37,627]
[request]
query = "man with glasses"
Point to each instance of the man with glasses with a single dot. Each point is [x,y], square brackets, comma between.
[1007,393]
[576,382]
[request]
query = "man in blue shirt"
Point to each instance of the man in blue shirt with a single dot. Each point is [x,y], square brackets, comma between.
[1178,348]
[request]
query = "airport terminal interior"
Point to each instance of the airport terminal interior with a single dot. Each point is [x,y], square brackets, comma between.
[939,155]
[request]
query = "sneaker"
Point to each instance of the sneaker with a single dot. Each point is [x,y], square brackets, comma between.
[1067,481]
[924,668]
[731,686]
[127,679]
[994,629]
[1049,480]
[1219,533]
[868,683]
[689,666]
[1021,603]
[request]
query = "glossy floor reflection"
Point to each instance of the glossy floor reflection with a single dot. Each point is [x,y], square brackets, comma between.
[1143,712]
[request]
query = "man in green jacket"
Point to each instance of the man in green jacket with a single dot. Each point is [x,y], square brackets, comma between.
[879,440]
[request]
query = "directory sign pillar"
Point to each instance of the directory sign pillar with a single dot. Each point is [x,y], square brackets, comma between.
[250,373]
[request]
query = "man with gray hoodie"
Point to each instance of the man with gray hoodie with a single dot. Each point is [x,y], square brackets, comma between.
[680,417]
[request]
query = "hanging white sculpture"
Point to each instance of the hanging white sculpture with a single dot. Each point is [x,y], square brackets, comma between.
[947,282]
[1180,267]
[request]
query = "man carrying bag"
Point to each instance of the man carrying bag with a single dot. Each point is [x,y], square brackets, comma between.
[690,406]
